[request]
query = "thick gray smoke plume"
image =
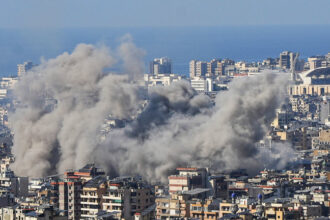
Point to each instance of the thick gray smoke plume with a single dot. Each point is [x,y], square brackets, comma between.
[52,137]
[64,101]
[164,102]
[223,137]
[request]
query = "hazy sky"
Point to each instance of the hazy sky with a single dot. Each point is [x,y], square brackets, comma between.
[135,13]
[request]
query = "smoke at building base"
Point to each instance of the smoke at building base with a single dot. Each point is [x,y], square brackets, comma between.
[64,101]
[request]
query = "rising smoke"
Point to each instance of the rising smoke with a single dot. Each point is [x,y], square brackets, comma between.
[64,101]
[223,137]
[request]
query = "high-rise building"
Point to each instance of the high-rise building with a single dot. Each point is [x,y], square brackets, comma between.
[161,66]
[197,68]
[91,197]
[287,59]
[201,68]
[214,67]
[69,198]
[70,190]
[192,68]
[23,68]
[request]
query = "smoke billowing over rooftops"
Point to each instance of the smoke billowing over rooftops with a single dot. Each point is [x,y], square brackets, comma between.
[178,127]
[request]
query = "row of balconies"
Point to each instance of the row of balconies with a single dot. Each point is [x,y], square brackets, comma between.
[111,207]
[91,203]
[89,209]
[113,201]
[88,196]
[111,197]
[92,216]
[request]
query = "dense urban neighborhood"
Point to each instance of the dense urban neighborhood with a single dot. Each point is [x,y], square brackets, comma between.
[298,189]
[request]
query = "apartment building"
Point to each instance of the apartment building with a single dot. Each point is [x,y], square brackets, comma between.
[16,185]
[214,68]
[161,79]
[69,198]
[127,196]
[161,65]
[70,188]
[287,59]
[197,68]
[88,172]
[91,196]
[280,211]
[227,208]
[187,179]
[173,206]
[202,85]
[205,209]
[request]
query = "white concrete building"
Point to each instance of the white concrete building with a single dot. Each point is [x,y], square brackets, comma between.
[202,85]
[161,79]
[8,82]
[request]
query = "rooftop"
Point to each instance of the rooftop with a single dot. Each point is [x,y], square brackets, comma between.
[196,191]
[95,182]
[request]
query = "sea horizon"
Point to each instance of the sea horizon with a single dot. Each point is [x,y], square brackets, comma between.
[181,44]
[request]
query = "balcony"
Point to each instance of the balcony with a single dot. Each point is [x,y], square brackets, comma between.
[163,205]
[90,210]
[88,196]
[163,212]
[88,216]
[113,208]
[89,203]
[112,197]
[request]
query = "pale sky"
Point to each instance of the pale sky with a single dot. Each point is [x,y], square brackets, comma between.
[137,13]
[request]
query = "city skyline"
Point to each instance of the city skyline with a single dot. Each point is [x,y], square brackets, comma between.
[180,44]
[160,110]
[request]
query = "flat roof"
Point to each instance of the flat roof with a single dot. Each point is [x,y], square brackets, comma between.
[196,191]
